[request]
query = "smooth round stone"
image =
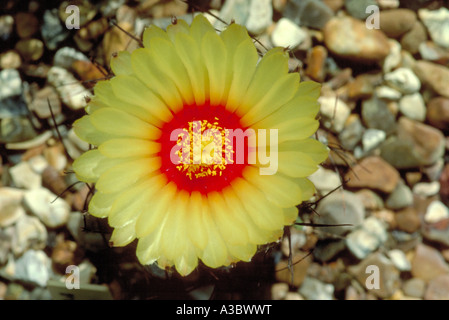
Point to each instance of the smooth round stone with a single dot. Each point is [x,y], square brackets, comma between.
[396,22]
[52,211]
[349,38]
[436,211]
[413,106]
[434,76]
[30,49]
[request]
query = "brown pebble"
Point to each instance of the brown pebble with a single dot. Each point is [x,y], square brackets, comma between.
[66,253]
[428,263]
[438,113]
[316,61]
[408,220]
[299,269]
[52,180]
[26,24]
[396,22]
[411,40]
[375,173]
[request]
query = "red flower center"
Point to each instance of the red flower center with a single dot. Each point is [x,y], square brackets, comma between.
[203,148]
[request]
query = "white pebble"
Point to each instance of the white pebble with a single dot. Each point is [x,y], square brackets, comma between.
[334,112]
[23,176]
[260,16]
[413,106]
[404,80]
[437,23]
[426,189]
[287,34]
[436,211]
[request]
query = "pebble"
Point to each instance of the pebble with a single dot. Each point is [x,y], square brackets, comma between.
[308,13]
[313,289]
[414,287]
[6,236]
[10,206]
[426,189]
[394,23]
[428,142]
[53,33]
[10,85]
[371,200]
[10,60]
[64,254]
[33,266]
[316,63]
[27,24]
[438,288]
[357,8]
[372,138]
[388,4]
[325,180]
[38,163]
[413,107]
[335,5]
[237,10]
[367,237]
[437,23]
[287,34]
[433,75]
[340,207]
[349,38]
[376,114]
[431,52]
[52,211]
[399,259]
[279,291]
[363,86]
[352,132]
[72,93]
[412,39]
[334,112]
[428,263]
[407,220]
[52,180]
[260,16]
[6,27]
[66,56]
[438,113]
[401,197]
[374,173]
[29,233]
[404,80]
[296,275]
[394,58]
[444,185]
[326,250]
[389,280]
[23,176]
[436,211]
[434,171]
[43,100]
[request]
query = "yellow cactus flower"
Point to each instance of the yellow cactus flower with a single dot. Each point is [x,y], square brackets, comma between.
[202,149]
